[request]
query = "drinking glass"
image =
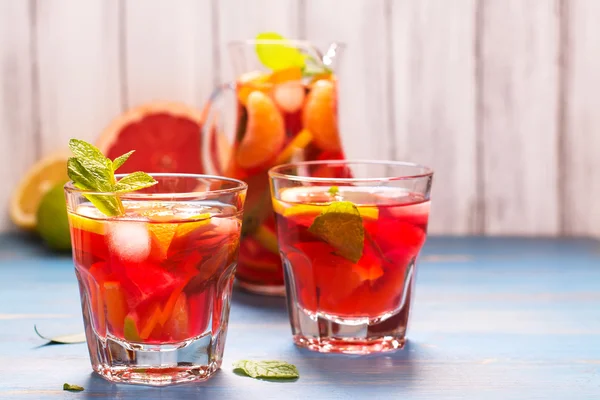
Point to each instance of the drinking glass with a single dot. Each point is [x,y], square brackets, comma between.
[349,248]
[155,282]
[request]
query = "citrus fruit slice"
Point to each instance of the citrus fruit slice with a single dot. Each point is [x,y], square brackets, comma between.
[166,137]
[265,132]
[250,82]
[296,145]
[38,180]
[320,115]
[280,207]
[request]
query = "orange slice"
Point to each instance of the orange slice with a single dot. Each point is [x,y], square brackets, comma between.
[39,179]
[286,75]
[299,142]
[265,132]
[320,115]
[250,82]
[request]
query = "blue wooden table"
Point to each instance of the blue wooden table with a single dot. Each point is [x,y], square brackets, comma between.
[493,319]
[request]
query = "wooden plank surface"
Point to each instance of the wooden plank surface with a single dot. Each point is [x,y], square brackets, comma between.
[579,149]
[78,64]
[518,115]
[499,96]
[364,74]
[434,104]
[493,319]
[168,51]
[19,119]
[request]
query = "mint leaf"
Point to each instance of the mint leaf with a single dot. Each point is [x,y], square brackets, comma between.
[267,369]
[277,56]
[87,152]
[62,339]
[134,181]
[73,388]
[91,170]
[79,174]
[84,179]
[340,225]
[119,161]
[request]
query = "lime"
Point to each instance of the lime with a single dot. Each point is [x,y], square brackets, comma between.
[52,220]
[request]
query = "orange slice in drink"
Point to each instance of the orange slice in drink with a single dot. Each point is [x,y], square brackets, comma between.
[265,132]
[115,303]
[320,115]
[250,82]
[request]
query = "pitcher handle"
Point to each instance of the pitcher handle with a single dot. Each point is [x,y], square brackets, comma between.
[212,136]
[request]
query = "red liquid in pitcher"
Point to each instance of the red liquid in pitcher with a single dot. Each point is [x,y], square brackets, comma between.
[282,117]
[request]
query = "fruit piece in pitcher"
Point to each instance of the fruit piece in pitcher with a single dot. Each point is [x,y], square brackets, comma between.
[265,132]
[320,116]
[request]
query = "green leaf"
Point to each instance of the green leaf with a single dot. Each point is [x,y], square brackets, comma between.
[134,181]
[79,175]
[119,161]
[110,206]
[87,152]
[267,369]
[86,180]
[340,225]
[333,190]
[90,170]
[73,388]
[62,339]
[277,56]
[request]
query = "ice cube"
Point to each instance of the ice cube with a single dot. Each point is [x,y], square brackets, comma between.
[289,96]
[129,240]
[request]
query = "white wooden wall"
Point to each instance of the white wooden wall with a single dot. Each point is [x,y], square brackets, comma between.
[501,97]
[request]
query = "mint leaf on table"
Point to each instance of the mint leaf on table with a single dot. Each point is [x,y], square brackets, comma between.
[73,388]
[340,225]
[62,339]
[91,170]
[267,369]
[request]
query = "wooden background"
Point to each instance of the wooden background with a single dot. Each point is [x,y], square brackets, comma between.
[499,96]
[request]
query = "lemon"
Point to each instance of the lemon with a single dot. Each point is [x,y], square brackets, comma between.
[52,220]
[40,178]
[286,210]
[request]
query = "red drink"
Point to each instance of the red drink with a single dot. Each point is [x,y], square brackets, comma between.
[286,110]
[329,284]
[156,280]
[349,249]
[154,275]
[259,261]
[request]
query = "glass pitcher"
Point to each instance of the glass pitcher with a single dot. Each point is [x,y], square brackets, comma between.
[283,109]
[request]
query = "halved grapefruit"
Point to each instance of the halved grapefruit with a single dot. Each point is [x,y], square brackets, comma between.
[166,137]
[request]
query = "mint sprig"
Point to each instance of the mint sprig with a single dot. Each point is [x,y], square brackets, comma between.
[266,369]
[90,170]
[341,226]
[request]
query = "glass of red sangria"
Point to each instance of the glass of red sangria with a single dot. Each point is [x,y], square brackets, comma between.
[349,248]
[282,107]
[156,279]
